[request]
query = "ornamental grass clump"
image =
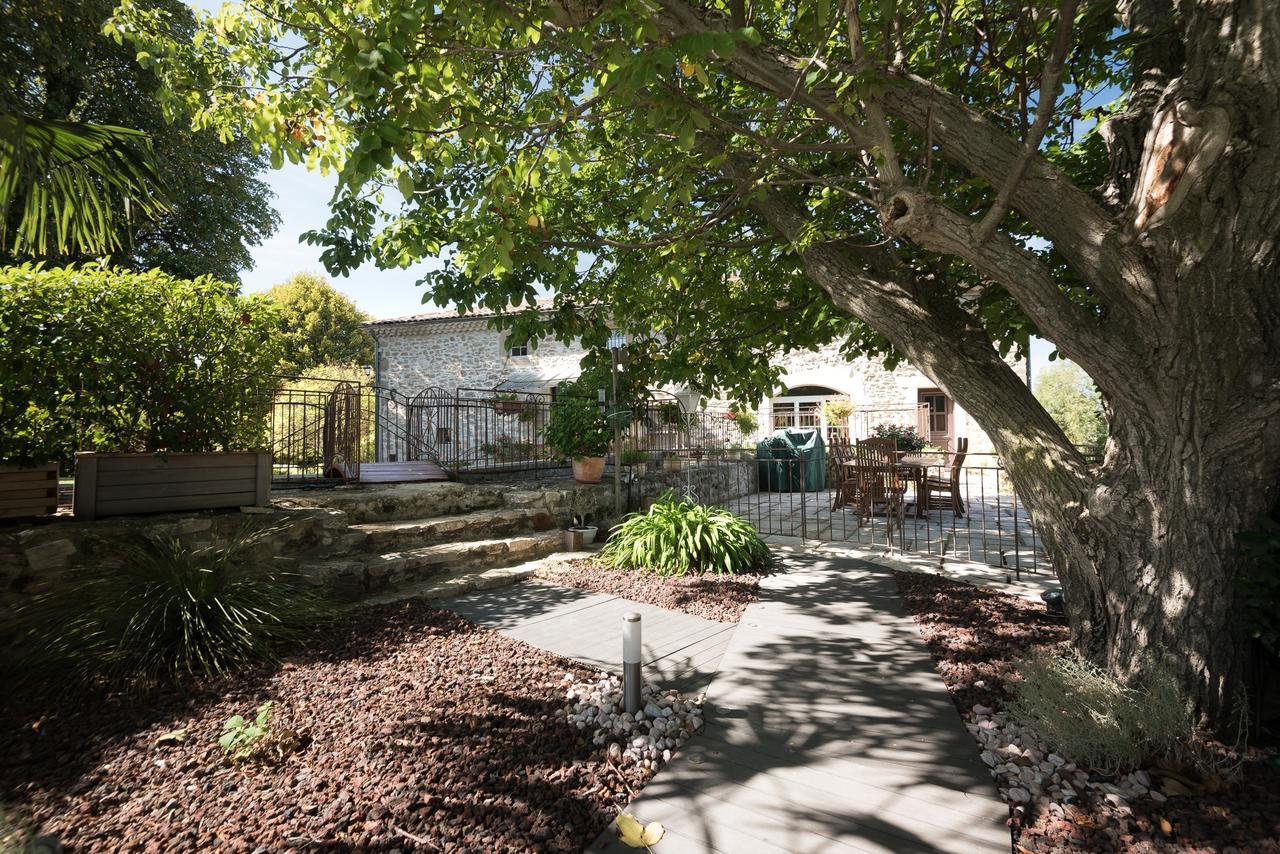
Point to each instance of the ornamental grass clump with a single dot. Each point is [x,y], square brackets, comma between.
[681,537]
[1089,716]
[169,611]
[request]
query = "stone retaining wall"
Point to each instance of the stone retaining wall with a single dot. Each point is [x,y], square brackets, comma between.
[709,481]
[310,528]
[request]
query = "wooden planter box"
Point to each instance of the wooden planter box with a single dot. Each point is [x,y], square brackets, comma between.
[28,491]
[122,484]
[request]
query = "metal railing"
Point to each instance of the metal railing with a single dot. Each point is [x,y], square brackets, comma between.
[993,526]
[325,430]
[322,429]
[492,432]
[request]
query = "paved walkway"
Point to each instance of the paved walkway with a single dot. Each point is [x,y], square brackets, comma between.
[681,651]
[829,731]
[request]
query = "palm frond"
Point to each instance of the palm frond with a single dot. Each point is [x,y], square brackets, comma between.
[73,187]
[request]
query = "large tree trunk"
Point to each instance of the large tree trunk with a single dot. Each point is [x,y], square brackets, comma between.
[1185,346]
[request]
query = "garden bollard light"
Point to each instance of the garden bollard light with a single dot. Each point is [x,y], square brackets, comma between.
[631,662]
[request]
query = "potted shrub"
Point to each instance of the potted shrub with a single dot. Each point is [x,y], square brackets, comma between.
[636,460]
[836,411]
[909,441]
[578,430]
[580,534]
[745,420]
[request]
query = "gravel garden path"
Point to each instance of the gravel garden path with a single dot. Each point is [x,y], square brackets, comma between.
[828,729]
[681,651]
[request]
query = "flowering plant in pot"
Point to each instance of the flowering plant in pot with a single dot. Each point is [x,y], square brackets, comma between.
[909,441]
[837,411]
[578,430]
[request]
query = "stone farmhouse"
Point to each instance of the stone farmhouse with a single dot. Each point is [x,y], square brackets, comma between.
[449,350]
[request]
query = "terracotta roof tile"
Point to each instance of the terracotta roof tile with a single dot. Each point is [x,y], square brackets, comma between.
[543,304]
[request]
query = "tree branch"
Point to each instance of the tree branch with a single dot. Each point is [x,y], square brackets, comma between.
[1081,230]
[924,220]
[940,339]
[1050,84]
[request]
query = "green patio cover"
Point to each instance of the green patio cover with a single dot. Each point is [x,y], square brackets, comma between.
[791,461]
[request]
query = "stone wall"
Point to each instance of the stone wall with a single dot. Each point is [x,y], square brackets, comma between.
[708,481]
[309,529]
[467,353]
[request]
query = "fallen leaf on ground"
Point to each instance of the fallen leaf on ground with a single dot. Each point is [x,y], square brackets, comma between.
[176,736]
[634,835]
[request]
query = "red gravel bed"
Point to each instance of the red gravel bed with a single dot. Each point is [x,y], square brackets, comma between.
[712,597]
[421,731]
[976,634]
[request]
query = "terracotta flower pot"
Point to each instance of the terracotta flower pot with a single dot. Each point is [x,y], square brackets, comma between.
[588,469]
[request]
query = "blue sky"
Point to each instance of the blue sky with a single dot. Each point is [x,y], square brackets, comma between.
[302,200]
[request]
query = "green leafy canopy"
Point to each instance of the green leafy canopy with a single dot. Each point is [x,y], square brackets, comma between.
[319,326]
[583,149]
[102,359]
[86,90]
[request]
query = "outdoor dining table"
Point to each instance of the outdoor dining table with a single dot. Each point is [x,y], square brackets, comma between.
[915,469]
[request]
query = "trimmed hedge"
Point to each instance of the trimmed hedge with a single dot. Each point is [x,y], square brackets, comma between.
[97,359]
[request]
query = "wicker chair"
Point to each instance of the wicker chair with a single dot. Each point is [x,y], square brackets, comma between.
[948,488]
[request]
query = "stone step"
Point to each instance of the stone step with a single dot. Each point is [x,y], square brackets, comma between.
[392,569]
[457,583]
[403,501]
[481,524]
[356,575]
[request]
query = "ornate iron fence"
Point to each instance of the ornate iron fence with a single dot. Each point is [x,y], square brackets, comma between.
[990,525]
[323,429]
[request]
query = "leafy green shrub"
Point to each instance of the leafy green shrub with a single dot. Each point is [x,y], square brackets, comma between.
[1090,717]
[577,428]
[907,438]
[745,420]
[239,735]
[169,611]
[678,537]
[1072,400]
[102,359]
[634,456]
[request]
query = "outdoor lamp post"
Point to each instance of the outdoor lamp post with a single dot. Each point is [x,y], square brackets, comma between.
[631,662]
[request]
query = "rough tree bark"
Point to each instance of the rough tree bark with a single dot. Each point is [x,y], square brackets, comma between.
[1186,352]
